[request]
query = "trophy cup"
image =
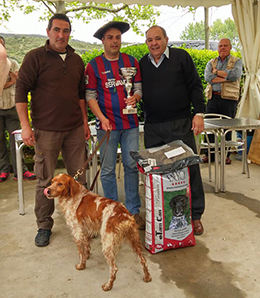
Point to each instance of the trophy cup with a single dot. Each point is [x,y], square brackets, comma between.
[127,73]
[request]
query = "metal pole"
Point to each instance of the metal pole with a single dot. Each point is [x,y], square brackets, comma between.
[206,11]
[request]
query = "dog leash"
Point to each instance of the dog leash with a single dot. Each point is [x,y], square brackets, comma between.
[80,171]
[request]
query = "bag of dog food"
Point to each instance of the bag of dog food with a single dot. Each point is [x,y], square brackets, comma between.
[168,211]
[167,195]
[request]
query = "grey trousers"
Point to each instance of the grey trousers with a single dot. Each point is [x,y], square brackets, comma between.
[8,121]
[48,145]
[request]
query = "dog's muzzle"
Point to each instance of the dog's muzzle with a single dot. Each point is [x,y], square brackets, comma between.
[47,192]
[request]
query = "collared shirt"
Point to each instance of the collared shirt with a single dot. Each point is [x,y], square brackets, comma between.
[165,54]
[232,74]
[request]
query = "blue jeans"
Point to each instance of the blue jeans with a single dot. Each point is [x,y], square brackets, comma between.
[129,141]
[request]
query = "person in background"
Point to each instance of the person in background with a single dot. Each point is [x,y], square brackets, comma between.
[171,85]
[9,121]
[5,65]
[223,75]
[106,98]
[54,74]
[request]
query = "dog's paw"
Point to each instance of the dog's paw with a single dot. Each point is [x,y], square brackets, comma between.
[80,266]
[147,278]
[107,287]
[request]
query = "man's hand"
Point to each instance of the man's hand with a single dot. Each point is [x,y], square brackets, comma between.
[87,131]
[28,136]
[197,125]
[132,100]
[106,125]
[214,70]
[12,81]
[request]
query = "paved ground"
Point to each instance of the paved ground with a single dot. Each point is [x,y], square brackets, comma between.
[224,263]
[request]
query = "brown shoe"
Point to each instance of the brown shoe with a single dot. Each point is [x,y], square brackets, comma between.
[140,222]
[197,227]
[205,159]
[228,161]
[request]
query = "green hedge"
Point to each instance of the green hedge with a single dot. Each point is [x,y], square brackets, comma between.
[138,51]
[200,58]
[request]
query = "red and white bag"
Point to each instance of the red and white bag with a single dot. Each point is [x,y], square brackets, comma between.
[168,211]
[168,195]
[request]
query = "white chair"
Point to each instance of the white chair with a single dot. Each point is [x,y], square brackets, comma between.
[203,142]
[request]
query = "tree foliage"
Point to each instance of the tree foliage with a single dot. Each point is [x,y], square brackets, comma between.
[137,15]
[193,31]
[218,30]
[227,29]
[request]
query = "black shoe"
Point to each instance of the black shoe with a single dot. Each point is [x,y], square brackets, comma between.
[43,237]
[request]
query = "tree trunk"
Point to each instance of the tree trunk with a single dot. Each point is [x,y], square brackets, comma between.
[60,7]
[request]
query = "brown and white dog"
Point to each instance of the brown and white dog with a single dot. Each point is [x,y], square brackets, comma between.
[88,214]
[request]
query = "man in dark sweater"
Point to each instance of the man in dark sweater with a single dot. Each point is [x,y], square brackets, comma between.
[171,85]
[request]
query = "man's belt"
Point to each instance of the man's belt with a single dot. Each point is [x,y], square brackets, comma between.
[216,93]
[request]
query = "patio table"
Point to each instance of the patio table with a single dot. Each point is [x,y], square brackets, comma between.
[220,127]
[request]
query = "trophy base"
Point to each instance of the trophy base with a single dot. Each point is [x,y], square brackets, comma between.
[130,111]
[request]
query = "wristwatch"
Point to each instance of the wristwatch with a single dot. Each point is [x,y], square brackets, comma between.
[201,115]
[216,72]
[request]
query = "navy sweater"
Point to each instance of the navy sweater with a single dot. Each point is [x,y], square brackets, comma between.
[171,89]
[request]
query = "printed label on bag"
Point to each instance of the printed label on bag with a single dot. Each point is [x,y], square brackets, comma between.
[168,211]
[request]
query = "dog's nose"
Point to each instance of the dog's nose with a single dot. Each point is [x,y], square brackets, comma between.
[46,191]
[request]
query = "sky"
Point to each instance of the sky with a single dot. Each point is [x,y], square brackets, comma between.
[173,20]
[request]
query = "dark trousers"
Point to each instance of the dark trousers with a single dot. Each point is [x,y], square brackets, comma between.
[158,134]
[47,148]
[9,121]
[219,105]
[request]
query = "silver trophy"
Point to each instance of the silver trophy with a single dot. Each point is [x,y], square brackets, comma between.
[127,73]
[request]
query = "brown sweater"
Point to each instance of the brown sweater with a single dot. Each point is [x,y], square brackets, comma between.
[56,87]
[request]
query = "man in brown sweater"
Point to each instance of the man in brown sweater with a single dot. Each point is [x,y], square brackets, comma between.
[54,75]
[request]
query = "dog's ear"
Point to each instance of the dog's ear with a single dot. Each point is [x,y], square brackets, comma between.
[185,201]
[173,202]
[73,187]
[65,188]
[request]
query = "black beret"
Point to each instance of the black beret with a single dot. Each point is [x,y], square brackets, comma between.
[122,26]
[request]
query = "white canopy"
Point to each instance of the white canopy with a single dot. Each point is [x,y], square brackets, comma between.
[247,18]
[183,3]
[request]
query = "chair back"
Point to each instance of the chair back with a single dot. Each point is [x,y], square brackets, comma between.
[216,116]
